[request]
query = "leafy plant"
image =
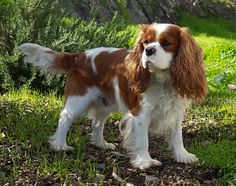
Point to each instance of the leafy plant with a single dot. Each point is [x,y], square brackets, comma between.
[46,23]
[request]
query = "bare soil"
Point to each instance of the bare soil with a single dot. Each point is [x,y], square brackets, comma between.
[114,166]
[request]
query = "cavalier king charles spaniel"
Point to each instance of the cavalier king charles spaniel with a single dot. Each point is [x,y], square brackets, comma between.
[152,84]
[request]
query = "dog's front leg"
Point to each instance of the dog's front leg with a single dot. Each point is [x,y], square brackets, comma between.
[180,153]
[136,141]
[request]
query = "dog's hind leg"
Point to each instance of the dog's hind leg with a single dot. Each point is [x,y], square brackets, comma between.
[97,139]
[75,106]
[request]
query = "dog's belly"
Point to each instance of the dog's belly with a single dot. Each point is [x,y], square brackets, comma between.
[103,105]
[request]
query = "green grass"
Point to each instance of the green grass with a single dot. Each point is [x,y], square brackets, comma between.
[216,144]
[219,155]
[28,118]
[213,26]
[217,37]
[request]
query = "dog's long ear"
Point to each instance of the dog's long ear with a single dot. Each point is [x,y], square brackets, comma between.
[138,75]
[187,70]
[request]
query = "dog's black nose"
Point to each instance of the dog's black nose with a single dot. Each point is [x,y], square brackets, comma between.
[150,50]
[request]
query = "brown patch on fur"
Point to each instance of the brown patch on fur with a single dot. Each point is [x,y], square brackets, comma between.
[109,66]
[139,76]
[78,70]
[187,70]
[147,34]
[65,61]
[172,36]
[80,75]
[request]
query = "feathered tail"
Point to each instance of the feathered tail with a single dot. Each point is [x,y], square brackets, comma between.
[47,60]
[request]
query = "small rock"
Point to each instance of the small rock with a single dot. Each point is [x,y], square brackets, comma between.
[206,143]
[151,180]
[116,123]
[101,166]
[143,174]
[231,87]
[100,176]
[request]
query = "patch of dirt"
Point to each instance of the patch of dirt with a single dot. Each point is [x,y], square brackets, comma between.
[114,166]
[170,173]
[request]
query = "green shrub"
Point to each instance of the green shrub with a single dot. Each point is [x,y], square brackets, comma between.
[46,23]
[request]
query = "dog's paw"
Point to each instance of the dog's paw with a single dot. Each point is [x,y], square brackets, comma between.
[109,146]
[145,163]
[185,157]
[59,146]
[67,148]
[104,145]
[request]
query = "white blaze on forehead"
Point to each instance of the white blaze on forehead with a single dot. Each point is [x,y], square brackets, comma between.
[93,53]
[161,58]
[162,27]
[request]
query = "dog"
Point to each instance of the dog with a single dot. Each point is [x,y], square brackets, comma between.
[152,84]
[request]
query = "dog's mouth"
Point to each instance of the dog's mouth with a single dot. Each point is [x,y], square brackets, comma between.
[154,68]
[145,63]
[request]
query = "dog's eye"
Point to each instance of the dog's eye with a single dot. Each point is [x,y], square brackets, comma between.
[146,42]
[165,43]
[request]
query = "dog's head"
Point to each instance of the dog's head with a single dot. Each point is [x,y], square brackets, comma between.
[170,48]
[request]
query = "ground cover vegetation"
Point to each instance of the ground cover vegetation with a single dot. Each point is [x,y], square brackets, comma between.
[30,104]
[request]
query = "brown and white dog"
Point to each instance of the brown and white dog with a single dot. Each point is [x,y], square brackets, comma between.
[152,84]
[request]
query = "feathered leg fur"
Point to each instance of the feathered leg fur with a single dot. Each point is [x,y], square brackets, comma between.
[135,137]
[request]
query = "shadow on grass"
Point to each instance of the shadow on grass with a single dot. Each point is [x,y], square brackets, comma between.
[212,26]
[26,158]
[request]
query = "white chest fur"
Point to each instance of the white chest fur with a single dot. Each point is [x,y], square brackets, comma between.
[165,108]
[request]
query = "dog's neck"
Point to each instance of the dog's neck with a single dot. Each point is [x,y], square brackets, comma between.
[160,78]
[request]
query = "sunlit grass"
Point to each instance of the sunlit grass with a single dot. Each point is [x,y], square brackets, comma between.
[220,155]
[31,117]
[215,142]
[217,37]
[28,118]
